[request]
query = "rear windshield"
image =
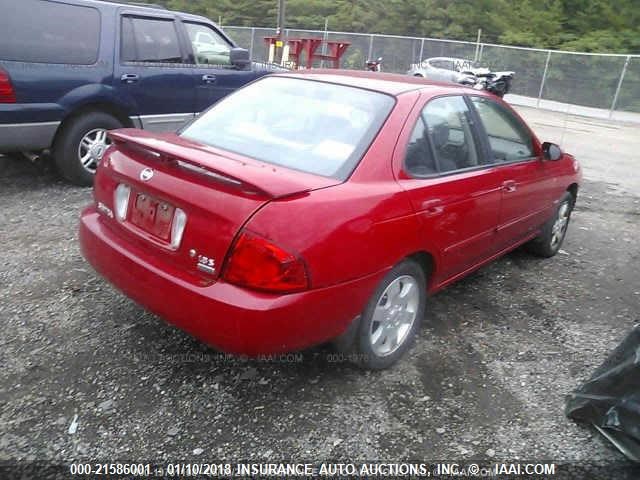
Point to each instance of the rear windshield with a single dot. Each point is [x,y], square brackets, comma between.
[305,125]
[48,32]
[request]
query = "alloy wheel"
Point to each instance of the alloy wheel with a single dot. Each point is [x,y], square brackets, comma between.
[394,315]
[92,148]
[559,227]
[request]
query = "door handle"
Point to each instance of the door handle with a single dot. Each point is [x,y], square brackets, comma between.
[129,78]
[509,186]
[209,78]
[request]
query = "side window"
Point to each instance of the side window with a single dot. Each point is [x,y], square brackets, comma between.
[209,47]
[509,139]
[419,159]
[49,32]
[444,64]
[149,40]
[449,127]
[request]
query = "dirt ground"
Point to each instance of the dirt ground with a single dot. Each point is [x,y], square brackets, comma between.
[486,378]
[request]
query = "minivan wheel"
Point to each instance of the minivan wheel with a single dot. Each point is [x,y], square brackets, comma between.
[391,319]
[81,145]
[553,232]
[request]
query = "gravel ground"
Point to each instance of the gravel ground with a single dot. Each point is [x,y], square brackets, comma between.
[486,378]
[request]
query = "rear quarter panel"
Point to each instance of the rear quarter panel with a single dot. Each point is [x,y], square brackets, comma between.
[343,232]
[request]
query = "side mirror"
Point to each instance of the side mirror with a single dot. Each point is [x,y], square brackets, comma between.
[239,57]
[551,151]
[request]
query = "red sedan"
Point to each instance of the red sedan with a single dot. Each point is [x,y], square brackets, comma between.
[326,205]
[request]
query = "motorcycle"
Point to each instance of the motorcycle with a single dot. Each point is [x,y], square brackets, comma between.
[498,83]
[374,65]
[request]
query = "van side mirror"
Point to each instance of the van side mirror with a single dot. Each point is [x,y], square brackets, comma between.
[239,57]
[551,151]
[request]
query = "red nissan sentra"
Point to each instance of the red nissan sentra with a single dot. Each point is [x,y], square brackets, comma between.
[325,205]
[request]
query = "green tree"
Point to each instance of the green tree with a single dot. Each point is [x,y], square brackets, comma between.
[586,25]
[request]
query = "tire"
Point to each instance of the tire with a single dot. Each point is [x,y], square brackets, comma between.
[368,346]
[67,149]
[553,232]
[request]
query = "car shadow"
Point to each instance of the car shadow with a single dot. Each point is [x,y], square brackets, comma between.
[17,171]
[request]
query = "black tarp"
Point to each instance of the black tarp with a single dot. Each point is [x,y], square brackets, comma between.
[610,399]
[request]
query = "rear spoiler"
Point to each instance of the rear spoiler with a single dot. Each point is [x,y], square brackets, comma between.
[252,176]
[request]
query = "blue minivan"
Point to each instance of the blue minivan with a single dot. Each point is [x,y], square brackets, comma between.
[70,70]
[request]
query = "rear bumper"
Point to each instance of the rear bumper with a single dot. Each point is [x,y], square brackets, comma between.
[228,317]
[18,137]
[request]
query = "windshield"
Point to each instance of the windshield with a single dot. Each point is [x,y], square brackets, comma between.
[306,125]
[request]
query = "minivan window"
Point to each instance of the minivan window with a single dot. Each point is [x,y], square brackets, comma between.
[149,40]
[315,127]
[49,32]
[209,48]
[449,125]
[508,137]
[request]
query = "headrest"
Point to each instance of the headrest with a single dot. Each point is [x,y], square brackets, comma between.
[439,130]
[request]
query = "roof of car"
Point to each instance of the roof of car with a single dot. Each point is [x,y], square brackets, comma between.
[148,7]
[389,83]
[455,59]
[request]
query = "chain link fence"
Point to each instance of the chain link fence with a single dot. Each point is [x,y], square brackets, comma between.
[603,81]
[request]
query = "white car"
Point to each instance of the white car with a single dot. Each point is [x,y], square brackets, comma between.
[465,72]
[447,69]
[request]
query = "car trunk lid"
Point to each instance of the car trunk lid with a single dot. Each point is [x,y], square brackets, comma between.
[167,176]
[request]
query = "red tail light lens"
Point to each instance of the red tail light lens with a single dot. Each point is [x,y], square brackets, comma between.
[7,93]
[257,263]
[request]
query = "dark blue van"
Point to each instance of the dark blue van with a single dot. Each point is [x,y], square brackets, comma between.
[72,69]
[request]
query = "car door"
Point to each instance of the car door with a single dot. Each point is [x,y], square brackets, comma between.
[454,194]
[214,76]
[525,182]
[152,71]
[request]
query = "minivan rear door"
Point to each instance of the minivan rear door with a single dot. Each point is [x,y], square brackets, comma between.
[152,71]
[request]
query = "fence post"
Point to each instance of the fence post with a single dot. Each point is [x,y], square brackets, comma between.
[475,57]
[615,97]
[253,34]
[325,36]
[421,52]
[544,77]
[370,48]
[480,52]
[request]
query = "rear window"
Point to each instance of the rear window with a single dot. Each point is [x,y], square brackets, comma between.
[305,125]
[49,32]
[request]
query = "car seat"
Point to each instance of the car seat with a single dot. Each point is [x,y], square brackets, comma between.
[439,129]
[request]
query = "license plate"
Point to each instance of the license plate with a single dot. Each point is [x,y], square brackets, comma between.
[152,215]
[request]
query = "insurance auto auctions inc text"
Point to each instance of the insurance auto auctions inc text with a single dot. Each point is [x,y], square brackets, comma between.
[367,470]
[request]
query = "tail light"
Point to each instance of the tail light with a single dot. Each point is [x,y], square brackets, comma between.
[177,228]
[7,93]
[257,263]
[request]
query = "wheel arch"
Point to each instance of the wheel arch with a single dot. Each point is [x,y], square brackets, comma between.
[427,263]
[104,107]
[573,190]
